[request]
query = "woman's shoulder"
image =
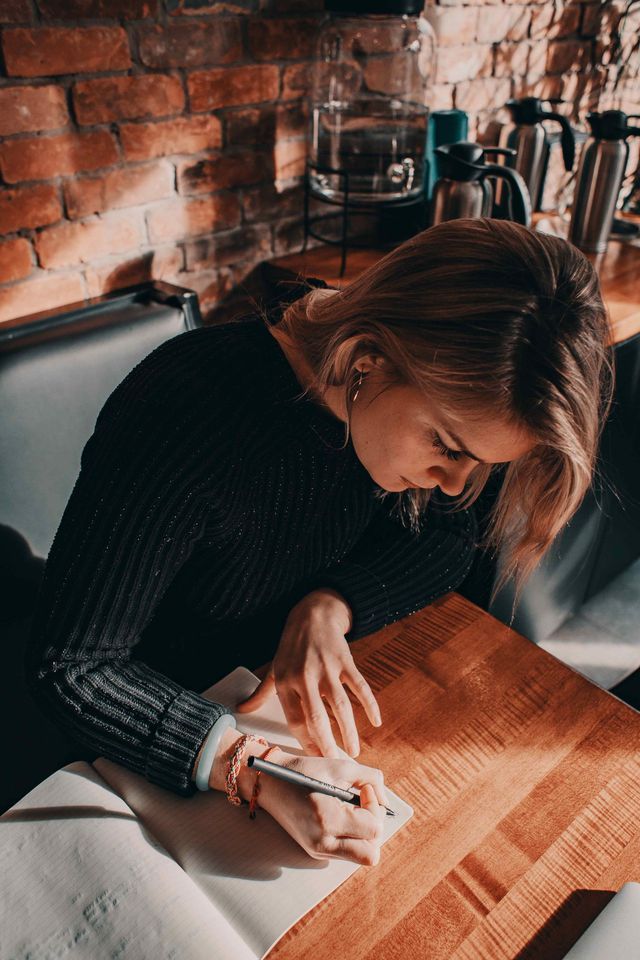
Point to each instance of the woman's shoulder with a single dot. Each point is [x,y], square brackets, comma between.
[207,372]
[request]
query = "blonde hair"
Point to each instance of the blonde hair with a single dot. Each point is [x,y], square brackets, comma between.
[481,314]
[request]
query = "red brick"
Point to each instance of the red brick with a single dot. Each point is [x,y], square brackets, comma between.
[125,98]
[512,60]
[189,217]
[566,55]
[99,9]
[266,125]
[127,187]
[289,158]
[49,51]
[553,20]
[543,87]
[453,25]
[440,96]
[296,81]
[228,170]
[28,207]
[265,202]
[16,11]
[280,39]
[473,95]
[143,141]
[503,23]
[40,293]
[190,44]
[233,246]
[178,8]
[593,18]
[72,243]
[40,158]
[290,6]
[228,86]
[161,264]
[463,63]
[15,260]
[23,109]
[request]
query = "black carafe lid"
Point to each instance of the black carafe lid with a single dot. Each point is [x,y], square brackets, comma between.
[460,161]
[529,110]
[362,8]
[612,125]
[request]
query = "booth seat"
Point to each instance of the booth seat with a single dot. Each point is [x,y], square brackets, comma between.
[56,371]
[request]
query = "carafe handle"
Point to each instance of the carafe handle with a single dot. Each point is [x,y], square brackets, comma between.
[567,139]
[519,200]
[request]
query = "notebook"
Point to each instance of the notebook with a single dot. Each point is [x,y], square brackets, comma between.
[615,933]
[99,863]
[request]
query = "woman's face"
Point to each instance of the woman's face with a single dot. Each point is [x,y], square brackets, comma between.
[404,441]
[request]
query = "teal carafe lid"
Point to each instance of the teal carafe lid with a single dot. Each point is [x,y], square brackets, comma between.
[445,126]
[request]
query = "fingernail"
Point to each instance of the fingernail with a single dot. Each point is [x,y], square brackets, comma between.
[378,720]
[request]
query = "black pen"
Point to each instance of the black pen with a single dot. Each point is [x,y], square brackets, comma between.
[302,780]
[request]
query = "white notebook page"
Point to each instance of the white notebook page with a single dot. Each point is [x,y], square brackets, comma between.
[82,879]
[255,873]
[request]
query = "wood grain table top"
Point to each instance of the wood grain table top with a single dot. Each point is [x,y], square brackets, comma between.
[525,782]
[618,269]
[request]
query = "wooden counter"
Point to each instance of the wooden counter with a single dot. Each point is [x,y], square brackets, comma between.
[525,783]
[618,268]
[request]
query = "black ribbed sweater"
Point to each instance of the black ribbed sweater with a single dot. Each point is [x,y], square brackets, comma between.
[205,482]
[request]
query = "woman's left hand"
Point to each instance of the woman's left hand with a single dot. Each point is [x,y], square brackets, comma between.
[313,661]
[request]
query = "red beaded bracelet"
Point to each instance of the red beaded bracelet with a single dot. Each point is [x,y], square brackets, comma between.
[233,767]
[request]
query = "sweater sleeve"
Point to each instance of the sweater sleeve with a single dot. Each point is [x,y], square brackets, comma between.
[392,572]
[135,515]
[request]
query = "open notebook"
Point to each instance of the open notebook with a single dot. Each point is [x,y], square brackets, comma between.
[99,863]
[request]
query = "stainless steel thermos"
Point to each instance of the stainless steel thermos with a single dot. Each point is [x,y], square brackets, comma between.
[602,167]
[463,189]
[529,139]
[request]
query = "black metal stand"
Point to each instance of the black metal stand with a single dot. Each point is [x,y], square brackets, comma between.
[373,208]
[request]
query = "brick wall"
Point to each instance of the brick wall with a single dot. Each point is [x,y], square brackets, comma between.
[166,138]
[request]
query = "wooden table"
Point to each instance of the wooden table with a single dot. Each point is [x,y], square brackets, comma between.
[525,782]
[618,269]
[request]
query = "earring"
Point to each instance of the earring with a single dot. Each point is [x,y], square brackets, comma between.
[355,396]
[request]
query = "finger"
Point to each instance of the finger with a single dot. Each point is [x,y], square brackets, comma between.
[363,822]
[369,804]
[352,677]
[262,692]
[373,777]
[317,721]
[343,712]
[364,852]
[297,723]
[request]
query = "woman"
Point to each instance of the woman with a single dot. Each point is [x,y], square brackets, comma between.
[254,493]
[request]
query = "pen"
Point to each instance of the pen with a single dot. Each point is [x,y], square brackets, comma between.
[302,780]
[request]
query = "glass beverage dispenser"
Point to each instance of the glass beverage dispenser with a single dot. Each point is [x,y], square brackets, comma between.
[372,68]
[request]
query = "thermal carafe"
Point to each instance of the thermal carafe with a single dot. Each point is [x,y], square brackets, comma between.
[529,139]
[602,166]
[463,189]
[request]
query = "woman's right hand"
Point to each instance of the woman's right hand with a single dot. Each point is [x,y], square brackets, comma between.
[328,828]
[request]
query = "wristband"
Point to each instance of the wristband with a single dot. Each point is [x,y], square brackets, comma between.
[210,748]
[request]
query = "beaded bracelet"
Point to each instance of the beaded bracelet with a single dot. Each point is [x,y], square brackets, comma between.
[233,768]
[253,803]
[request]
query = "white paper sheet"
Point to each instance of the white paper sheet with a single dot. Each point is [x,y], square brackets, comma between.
[254,872]
[82,879]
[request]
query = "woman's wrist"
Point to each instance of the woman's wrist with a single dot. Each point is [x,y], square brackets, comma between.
[331,603]
[247,776]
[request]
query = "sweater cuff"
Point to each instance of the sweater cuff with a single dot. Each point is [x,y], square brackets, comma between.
[365,593]
[177,739]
